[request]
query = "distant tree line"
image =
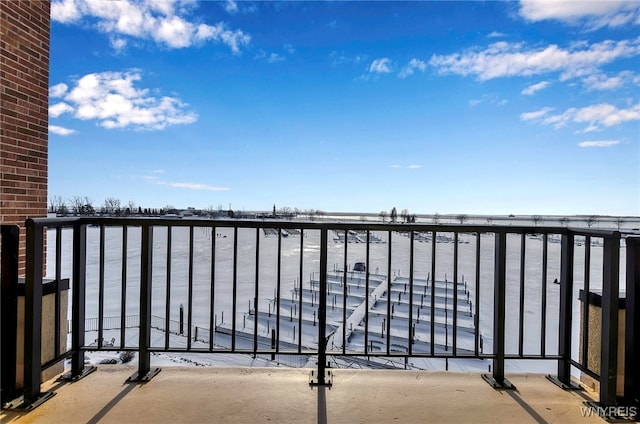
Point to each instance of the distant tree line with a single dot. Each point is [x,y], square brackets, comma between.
[112,206]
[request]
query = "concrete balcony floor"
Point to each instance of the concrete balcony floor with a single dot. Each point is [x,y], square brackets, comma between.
[277,395]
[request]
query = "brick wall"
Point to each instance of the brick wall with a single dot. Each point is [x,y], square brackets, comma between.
[24,98]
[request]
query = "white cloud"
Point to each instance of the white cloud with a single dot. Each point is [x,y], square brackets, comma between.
[599,143]
[113,100]
[595,116]
[58,90]
[380,66]
[60,130]
[412,166]
[503,59]
[231,7]
[412,66]
[604,82]
[340,57]
[595,14]
[495,34]
[166,23]
[59,109]
[197,186]
[533,88]
[274,57]
[532,116]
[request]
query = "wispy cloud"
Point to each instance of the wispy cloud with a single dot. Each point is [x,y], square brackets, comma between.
[492,99]
[533,88]
[380,66]
[503,59]
[340,58]
[113,100]
[604,82]
[164,22]
[593,14]
[55,129]
[495,34]
[398,166]
[599,143]
[536,114]
[231,7]
[595,116]
[155,179]
[194,186]
[412,66]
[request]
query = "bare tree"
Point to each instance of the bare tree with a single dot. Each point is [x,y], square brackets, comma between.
[436,218]
[489,220]
[404,214]
[590,220]
[56,204]
[383,215]
[76,204]
[111,206]
[394,214]
[462,218]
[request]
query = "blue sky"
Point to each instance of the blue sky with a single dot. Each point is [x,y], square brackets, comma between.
[529,107]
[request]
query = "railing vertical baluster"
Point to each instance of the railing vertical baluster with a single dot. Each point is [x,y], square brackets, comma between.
[345,293]
[123,283]
[168,293]
[9,309]
[455,293]
[256,294]
[300,291]
[609,341]
[101,289]
[320,379]
[78,299]
[278,284]
[235,288]
[389,300]
[476,318]
[543,323]
[585,303]
[58,286]
[632,336]
[565,313]
[433,292]
[500,267]
[212,323]
[145,373]
[190,290]
[411,338]
[523,246]
[366,295]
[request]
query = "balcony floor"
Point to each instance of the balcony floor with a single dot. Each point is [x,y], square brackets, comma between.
[277,395]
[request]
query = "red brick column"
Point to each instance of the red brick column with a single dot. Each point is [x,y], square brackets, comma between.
[24,98]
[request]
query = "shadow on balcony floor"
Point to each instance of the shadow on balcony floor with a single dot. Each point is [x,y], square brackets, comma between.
[261,395]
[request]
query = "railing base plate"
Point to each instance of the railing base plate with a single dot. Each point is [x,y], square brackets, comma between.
[503,385]
[70,377]
[314,379]
[137,378]
[20,404]
[562,385]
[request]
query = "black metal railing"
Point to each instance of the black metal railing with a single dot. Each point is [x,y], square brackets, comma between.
[439,292]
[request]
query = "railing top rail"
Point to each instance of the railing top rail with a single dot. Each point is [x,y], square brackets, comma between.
[314,225]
